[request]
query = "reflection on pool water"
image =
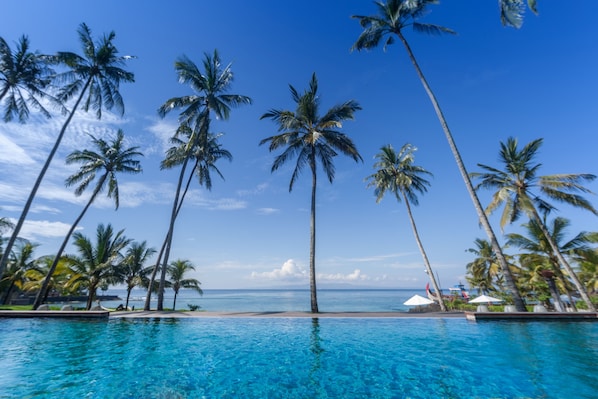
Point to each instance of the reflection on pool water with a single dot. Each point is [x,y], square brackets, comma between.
[296,358]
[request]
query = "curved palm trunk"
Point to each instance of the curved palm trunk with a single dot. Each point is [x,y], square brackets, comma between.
[43,292]
[424,255]
[578,285]
[312,241]
[510,281]
[38,182]
[128,296]
[174,302]
[148,297]
[91,296]
[175,208]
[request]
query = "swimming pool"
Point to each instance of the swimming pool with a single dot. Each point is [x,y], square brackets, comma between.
[296,358]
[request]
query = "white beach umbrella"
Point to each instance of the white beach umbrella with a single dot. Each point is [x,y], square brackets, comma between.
[417,300]
[485,299]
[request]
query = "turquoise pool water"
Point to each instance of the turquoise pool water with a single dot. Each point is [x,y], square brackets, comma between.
[296,358]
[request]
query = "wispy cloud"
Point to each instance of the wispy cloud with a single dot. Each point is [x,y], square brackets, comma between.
[267,211]
[32,230]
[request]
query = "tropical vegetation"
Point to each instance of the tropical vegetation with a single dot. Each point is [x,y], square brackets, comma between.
[521,191]
[94,80]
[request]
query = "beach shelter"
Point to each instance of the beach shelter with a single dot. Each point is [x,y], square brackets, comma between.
[418,300]
[485,299]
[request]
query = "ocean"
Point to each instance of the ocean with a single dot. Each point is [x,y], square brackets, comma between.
[274,300]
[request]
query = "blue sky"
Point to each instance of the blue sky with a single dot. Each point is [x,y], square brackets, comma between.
[249,231]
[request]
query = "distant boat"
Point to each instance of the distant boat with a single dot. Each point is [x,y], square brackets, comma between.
[459,290]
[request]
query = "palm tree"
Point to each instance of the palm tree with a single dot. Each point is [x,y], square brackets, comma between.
[397,173]
[36,276]
[177,271]
[311,138]
[515,189]
[96,76]
[95,264]
[24,76]
[132,270]
[21,261]
[210,95]
[511,11]
[538,250]
[484,270]
[110,159]
[205,157]
[394,15]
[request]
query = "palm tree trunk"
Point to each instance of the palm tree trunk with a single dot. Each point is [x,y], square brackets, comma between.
[424,255]
[154,272]
[8,293]
[38,182]
[43,292]
[510,281]
[578,285]
[174,302]
[175,208]
[312,242]
[129,288]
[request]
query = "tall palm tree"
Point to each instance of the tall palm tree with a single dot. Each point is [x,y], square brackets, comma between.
[132,270]
[21,261]
[177,271]
[394,16]
[311,138]
[111,158]
[210,95]
[95,263]
[397,174]
[511,11]
[96,77]
[515,187]
[24,76]
[484,270]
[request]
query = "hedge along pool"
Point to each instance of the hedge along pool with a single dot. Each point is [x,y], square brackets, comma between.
[296,358]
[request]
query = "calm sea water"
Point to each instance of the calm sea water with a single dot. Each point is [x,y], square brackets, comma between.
[336,300]
[296,358]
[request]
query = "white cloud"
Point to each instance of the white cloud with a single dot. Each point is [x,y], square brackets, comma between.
[356,275]
[42,228]
[288,271]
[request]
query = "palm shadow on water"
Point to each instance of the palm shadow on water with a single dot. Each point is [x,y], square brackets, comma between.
[316,349]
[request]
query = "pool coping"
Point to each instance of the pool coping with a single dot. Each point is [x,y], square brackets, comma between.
[532,316]
[64,314]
